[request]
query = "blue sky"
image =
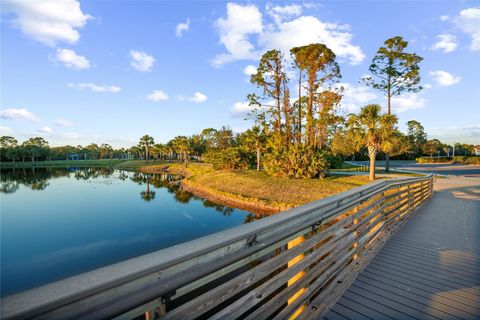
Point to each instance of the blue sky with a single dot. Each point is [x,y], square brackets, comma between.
[77,72]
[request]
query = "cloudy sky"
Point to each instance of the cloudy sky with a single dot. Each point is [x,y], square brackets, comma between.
[110,71]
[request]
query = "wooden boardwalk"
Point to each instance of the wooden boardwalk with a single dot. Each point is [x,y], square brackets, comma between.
[430,269]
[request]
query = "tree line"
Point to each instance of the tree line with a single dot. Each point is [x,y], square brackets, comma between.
[222,147]
[298,131]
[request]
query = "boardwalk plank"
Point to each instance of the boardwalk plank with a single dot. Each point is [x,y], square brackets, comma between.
[445,301]
[430,269]
[442,308]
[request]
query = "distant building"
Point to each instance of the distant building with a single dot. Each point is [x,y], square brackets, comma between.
[73,156]
[476,151]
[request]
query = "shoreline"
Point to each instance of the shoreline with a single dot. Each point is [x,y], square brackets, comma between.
[253,205]
[251,190]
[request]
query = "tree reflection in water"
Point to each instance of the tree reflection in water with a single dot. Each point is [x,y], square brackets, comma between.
[226,211]
[37,179]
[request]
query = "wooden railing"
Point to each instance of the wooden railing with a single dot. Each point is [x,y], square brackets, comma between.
[295,264]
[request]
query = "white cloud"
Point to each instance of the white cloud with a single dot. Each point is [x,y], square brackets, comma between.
[312,5]
[279,13]
[5,131]
[249,70]
[427,86]
[49,21]
[407,102]
[241,21]
[142,61]
[157,95]
[305,30]
[198,97]
[469,22]
[63,123]
[182,27]
[446,42]
[95,87]
[18,114]
[444,18]
[45,130]
[444,78]
[355,97]
[244,24]
[240,109]
[71,59]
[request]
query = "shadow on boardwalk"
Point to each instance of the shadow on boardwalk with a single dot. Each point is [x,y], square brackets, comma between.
[430,269]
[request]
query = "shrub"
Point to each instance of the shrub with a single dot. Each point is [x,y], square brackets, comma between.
[231,158]
[457,159]
[467,160]
[434,160]
[334,162]
[297,162]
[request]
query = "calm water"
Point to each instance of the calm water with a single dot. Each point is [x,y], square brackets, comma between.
[59,222]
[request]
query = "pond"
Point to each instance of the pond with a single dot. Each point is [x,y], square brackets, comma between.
[59,222]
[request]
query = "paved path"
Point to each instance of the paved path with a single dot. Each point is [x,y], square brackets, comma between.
[430,269]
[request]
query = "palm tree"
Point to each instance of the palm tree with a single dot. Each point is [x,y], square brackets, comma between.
[255,139]
[373,130]
[156,151]
[182,146]
[146,141]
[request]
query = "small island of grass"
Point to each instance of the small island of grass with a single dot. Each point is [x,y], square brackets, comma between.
[250,190]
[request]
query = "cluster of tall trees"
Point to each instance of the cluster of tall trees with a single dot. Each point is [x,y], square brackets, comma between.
[298,131]
[37,148]
[293,134]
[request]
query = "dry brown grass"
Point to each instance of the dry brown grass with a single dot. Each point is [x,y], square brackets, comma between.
[253,190]
[287,192]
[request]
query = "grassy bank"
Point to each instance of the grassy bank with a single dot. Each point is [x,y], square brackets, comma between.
[252,190]
[62,163]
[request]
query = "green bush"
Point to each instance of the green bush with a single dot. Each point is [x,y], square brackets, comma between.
[434,159]
[297,162]
[231,158]
[334,162]
[458,159]
[467,160]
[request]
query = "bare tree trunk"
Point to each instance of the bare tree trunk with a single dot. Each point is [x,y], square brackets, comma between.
[387,156]
[258,159]
[387,163]
[372,153]
[309,129]
[299,137]
[286,111]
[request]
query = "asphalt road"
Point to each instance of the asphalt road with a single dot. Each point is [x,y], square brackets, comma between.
[448,169]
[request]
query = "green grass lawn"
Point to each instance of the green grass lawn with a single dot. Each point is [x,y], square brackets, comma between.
[289,192]
[254,190]
[136,164]
[62,163]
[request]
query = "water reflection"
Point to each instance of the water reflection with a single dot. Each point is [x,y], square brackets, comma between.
[38,179]
[83,218]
